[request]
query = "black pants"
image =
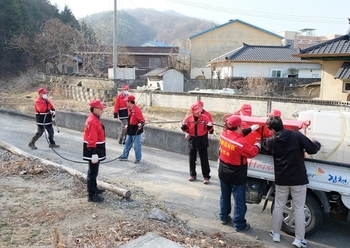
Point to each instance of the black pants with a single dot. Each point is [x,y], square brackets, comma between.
[41,130]
[91,178]
[203,155]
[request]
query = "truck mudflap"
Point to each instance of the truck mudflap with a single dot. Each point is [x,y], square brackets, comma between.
[323,176]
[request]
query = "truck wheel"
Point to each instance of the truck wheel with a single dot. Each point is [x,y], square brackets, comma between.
[313,216]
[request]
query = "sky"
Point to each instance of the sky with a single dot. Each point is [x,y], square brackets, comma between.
[272,15]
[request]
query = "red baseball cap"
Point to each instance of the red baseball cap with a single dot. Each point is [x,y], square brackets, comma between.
[97,104]
[125,87]
[246,109]
[42,91]
[200,103]
[234,121]
[196,108]
[130,98]
[275,112]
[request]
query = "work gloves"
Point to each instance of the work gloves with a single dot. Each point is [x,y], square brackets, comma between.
[254,127]
[94,159]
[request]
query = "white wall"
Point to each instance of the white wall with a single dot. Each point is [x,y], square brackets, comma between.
[122,73]
[173,81]
[264,69]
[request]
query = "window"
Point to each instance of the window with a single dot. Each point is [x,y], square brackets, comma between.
[154,62]
[276,73]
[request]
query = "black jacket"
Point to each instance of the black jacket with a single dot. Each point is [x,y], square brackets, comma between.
[287,148]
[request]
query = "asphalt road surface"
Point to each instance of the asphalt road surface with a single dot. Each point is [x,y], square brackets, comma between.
[164,175]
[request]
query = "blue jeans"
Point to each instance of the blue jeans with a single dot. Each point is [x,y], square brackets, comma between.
[240,207]
[129,142]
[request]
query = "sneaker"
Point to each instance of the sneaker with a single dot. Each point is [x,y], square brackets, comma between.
[276,237]
[299,243]
[96,198]
[122,159]
[247,227]
[54,146]
[224,222]
[206,180]
[192,178]
[32,146]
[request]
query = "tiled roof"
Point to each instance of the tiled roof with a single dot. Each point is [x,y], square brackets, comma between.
[232,21]
[156,44]
[344,71]
[339,46]
[257,53]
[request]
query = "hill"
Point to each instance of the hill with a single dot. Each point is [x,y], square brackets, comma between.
[137,26]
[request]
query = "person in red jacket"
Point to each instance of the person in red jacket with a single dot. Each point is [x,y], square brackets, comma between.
[134,129]
[121,112]
[245,110]
[197,125]
[208,114]
[233,168]
[94,148]
[44,110]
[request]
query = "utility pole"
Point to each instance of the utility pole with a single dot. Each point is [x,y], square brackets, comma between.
[115,46]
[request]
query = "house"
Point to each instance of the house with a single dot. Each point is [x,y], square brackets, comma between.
[263,61]
[138,59]
[221,39]
[169,80]
[334,55]
[64,64]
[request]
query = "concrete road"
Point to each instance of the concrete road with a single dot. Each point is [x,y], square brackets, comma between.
[164,175]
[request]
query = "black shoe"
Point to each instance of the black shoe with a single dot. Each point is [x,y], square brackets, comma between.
[32,146]
[96,198]
[53,146]
[123,142]
[100,191]
[120,141]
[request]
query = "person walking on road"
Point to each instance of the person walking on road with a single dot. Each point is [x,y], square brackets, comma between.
[197,126]
[121,112]
[45,111]
[134,129]
[234,151]
[287,148]
[94,148]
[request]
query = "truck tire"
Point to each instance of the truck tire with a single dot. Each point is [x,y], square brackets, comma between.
[313,216]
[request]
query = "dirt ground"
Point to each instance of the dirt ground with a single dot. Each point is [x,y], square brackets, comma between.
[42,206]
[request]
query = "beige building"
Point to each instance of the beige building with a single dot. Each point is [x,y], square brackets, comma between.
[221,39]
[304,38]
[334,55]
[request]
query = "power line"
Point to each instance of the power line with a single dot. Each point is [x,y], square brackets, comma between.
[297,18]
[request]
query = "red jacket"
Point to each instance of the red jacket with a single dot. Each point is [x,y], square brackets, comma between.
[234,149]
[120,107]
[206,113]
[196,128]
[42,110]
[135,117]
[94,138]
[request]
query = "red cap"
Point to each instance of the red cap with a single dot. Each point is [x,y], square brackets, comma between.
[246,110]
[200,103]
[97,104]
[196,108]
[42,91]
[130,98]
[125,87]
[234,121]
[275,112]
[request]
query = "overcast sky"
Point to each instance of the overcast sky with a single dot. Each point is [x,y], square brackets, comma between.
[327,17]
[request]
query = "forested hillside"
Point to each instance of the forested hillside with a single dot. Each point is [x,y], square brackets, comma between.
[32,31]
[137,26]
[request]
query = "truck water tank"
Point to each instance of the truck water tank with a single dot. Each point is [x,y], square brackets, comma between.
[332,130]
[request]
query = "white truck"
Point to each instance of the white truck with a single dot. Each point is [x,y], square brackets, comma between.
[328,170]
